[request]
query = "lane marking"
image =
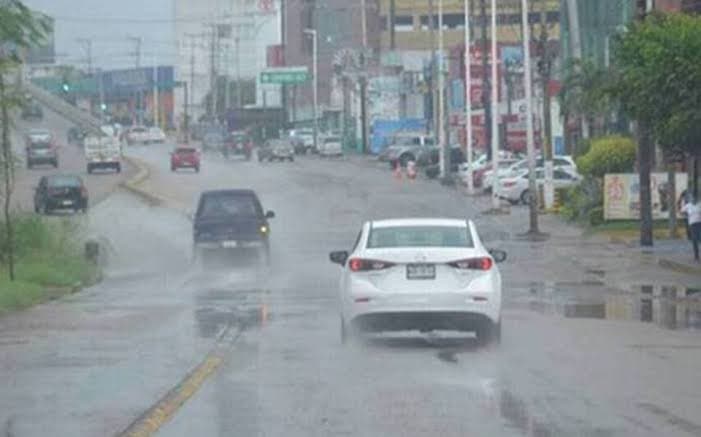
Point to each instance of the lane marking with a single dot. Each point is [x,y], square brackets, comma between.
[155,417]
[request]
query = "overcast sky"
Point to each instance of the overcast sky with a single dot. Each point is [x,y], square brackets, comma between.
[109,23]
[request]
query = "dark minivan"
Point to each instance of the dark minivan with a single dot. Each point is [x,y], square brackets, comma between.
[60,192]
[232,220]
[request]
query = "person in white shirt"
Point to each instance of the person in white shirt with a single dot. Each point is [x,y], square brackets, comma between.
[692,209]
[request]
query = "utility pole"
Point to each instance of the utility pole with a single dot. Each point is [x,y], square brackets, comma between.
[364,79]
[575,44]
[87,45]
[441,96]
[137,49]
[468,99]
[530,142]
[485,78]
[213,73]
[137,64]
[156,97]
[545,70]
[315,62]
[392,18]
[495,109]
[239,95]
[434,71]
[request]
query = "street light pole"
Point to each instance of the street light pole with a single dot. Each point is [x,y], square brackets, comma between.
[495,110]
[530,146]
[468,99]
[315,62]
[441,95]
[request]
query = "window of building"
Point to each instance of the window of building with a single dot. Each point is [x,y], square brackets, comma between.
[403,23]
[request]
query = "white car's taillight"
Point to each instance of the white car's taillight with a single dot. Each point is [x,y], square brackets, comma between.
[364,265]
[483,263]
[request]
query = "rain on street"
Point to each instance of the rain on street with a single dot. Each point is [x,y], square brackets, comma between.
[588,348]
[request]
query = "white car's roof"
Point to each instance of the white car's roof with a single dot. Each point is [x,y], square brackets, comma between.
[419,222]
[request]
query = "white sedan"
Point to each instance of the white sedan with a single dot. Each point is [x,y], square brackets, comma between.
[515,188]
[420,274]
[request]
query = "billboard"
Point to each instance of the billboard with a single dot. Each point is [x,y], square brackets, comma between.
[622,195]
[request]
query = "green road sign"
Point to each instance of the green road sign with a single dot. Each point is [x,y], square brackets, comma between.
[284,76]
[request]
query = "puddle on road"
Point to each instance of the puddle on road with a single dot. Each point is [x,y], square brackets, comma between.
[670,307]
[219,309]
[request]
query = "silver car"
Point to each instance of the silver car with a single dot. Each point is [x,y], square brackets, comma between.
[279,150]
[407,147]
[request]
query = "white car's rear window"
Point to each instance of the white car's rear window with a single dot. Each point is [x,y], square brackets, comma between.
[419,236]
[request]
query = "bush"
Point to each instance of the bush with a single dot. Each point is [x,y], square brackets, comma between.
[584,202]
[613,154]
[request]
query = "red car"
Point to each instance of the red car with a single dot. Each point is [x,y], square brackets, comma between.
[185,157]
[238,143]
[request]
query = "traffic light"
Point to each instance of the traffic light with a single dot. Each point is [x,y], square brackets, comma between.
[103,107]
[66,87]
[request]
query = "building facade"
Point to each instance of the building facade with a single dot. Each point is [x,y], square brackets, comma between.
[224,39]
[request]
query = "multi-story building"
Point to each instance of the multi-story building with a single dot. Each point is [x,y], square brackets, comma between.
[338,24]
[224,38]
[411,29]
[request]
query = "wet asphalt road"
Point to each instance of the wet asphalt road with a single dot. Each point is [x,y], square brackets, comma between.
[579,356]
[71,160]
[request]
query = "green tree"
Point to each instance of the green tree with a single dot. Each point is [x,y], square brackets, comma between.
[20,29]
[659,86]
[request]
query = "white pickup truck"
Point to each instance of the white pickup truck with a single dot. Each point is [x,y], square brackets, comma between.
[103,152]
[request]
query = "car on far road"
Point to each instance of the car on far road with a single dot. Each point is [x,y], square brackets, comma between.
[155,135]
[231,220]
[60,192]
[514,188]
[185,157]
[75,135]
[213,141]
[331,146]
[32,111]
[405,147]
[137,135]
[276,150]
[423,275]
[304,142]
[102,152]
[238,143]
[40,148]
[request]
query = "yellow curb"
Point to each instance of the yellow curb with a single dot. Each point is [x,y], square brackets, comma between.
[164,409]
[134,184]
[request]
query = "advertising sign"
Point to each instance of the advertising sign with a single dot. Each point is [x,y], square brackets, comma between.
[622,195]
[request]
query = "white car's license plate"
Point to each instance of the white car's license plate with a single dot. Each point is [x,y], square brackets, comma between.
[67,202]
[421,271]
[229,244]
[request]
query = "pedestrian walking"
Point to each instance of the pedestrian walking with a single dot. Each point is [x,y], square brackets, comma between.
[692,209]
[684,198]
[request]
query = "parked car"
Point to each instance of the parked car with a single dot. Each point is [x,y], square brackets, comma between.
[137,135]
[559,162]
[185,157]
[273,150]
[457,157]
[60,192]
[515,189]
[405,147]
[40,148]
[32,111]
[478,176]
[231,220]
[238,143]
[331,146]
